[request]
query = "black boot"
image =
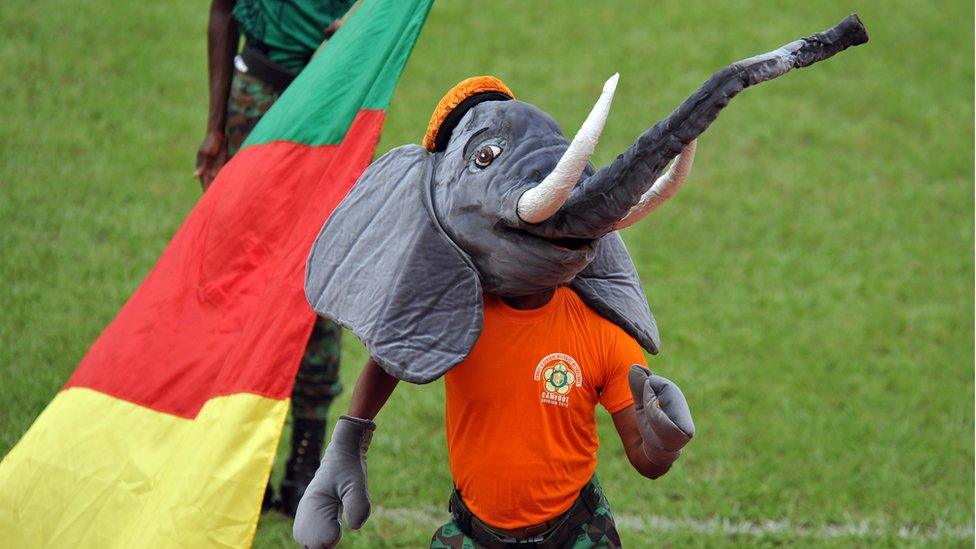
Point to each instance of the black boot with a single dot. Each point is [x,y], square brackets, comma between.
[268,502]
[306,451]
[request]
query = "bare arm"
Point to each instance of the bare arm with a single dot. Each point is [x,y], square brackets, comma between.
[222,40]
[373,388]
[625,422]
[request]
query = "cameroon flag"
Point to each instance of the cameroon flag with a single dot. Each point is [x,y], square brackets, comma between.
[165,434]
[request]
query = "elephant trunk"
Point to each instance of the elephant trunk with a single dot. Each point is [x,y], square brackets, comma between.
[619,194]
[663,189]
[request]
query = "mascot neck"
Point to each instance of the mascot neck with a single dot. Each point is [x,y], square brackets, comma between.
[531,301]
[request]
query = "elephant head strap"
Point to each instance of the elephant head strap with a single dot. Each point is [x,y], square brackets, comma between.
[499,201]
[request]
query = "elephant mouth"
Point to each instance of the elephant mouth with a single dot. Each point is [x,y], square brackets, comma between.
[568,243]
[571,244]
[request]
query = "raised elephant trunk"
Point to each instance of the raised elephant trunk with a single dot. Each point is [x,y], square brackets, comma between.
[663,189]
[621,193]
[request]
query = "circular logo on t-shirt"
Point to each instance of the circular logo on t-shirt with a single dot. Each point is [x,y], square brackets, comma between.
[558,373]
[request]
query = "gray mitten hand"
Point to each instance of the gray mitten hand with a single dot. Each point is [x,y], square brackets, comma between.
[340,483]
[663,416]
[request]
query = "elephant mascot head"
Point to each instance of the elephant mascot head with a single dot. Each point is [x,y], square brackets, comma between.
[497,200]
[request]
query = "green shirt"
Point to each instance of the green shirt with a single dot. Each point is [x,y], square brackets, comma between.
[291,29]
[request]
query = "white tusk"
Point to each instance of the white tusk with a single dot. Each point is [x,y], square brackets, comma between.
[662,189]
[540,202]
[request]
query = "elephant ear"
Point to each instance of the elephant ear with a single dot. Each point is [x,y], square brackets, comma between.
[610,286]
[384,268]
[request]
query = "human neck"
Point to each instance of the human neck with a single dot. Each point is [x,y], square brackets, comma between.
[531,301]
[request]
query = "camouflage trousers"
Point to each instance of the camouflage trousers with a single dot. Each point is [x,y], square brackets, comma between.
[599,532]
[317,383]
[250,97]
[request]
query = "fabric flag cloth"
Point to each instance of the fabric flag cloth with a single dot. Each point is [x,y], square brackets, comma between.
[165,434]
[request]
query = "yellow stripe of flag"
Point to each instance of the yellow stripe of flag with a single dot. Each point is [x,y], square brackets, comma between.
[117,455]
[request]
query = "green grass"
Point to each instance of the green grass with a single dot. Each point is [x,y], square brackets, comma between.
[813,281]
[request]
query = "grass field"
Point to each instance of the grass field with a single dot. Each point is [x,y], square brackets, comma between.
[813,282]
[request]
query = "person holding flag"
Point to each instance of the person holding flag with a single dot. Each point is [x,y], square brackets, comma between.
[280,38]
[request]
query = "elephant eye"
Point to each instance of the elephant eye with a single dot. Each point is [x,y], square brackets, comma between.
[486,155]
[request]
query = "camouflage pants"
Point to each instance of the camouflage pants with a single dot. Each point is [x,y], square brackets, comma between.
[250,97]
[317,382]
[599,532]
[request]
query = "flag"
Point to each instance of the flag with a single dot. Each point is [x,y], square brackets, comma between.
[166,432]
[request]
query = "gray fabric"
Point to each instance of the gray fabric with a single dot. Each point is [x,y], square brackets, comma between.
[383,268]
[663,416]
[598,202]
[339,485]
[611,287]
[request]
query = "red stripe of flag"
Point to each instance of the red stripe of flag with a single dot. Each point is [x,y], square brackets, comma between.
[224,309]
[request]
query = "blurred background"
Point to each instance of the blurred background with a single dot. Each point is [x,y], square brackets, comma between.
[813,281]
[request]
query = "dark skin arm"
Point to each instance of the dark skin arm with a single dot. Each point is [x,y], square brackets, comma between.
[222,41]
[626,423]
[373,388]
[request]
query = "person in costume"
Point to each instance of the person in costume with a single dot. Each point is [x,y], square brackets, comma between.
[490,256]
[279,40]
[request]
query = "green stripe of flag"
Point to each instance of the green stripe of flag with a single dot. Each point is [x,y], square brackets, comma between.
[357,69]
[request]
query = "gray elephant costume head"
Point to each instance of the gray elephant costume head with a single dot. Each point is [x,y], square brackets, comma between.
[498,201]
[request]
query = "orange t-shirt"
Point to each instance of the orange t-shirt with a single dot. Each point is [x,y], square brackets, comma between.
[521,430]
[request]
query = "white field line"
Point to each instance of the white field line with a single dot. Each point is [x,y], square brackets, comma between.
[650,524]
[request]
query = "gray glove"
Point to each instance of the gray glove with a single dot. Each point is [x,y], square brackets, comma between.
[663,416]
[340,483]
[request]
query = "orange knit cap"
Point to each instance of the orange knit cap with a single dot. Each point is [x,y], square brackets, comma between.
[465,89]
